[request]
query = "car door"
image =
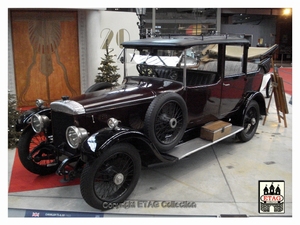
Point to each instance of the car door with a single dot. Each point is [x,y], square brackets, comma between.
[234,80]
[203,96]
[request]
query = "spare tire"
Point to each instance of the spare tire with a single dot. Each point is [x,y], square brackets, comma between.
[98,86]
[166,120]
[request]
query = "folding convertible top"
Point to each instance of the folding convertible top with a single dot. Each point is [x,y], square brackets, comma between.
[253,52]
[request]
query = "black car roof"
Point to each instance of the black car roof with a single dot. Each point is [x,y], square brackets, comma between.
[181,42]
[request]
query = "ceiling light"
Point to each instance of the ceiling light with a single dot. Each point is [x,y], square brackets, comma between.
[287,12]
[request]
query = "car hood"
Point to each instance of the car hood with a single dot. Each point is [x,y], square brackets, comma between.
[133,91]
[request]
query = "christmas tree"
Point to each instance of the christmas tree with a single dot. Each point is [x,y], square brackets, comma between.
[108,72]
[13,114]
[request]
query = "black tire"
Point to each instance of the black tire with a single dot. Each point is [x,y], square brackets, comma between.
[250,122]
[98,86]
[112,177]
[269,89]
[43,160]
[166,120]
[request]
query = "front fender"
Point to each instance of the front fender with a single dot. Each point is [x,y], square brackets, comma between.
[100,141]
[25,118]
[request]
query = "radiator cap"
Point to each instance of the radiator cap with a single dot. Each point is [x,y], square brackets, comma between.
[65,98]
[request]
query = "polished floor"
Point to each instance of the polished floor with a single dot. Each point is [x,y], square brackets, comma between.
[219,181]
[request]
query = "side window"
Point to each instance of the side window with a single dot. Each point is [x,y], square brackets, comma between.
[208,58]
[233,60]
[205,66]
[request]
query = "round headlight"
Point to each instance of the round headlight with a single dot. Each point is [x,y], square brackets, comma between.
[75,135]
[39,122]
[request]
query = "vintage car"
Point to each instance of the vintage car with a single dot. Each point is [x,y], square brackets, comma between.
[172,87]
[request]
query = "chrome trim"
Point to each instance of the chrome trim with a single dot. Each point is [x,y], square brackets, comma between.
[92,107]
[68,106]
[113,123]
[39,103]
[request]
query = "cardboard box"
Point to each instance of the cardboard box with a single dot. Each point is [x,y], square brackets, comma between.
[215,130]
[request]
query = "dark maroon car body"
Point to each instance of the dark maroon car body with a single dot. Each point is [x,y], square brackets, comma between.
[141,107]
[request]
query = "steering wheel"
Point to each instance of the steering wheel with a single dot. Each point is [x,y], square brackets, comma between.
[146,70]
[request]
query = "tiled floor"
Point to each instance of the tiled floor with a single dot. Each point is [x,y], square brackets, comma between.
[219,180]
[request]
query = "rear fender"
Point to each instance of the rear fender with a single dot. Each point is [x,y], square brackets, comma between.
[256,96]
[260,99]
[99,142]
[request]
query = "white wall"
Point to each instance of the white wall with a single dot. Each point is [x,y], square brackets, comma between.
[116,27]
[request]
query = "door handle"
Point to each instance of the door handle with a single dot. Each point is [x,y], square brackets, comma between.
[226,85]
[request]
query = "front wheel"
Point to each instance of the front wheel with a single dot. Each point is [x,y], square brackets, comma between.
[112,177]
[36,154]
[250,122]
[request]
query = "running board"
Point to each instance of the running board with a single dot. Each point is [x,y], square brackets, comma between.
[197,144]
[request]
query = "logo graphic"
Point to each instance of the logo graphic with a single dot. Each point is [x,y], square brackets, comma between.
[35,214]
[271,196]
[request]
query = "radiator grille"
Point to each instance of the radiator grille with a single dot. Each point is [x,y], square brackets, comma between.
[60,122]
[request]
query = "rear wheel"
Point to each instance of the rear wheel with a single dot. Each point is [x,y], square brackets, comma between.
[112,177]
[269,89]
[250,122]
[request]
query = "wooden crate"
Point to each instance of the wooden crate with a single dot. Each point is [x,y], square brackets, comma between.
[215,130]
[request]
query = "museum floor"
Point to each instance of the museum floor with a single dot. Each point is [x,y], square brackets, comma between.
[218,181]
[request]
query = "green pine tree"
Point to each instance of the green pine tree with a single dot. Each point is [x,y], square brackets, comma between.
[13,114]
[108,72]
